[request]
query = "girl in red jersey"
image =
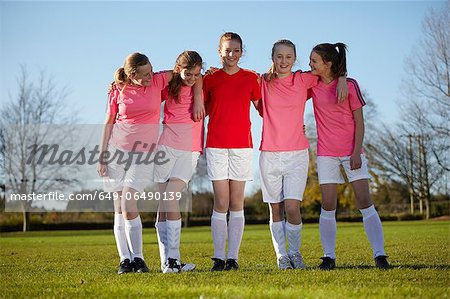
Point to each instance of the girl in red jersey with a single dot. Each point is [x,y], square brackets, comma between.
[228,93]
[284,155]
[340,133]
[182,142]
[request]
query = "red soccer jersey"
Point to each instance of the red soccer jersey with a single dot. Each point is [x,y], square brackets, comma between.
[228,100]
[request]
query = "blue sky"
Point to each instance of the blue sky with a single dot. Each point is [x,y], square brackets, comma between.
[81,43]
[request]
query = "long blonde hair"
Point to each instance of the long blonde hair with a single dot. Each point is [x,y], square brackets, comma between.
[271,73]
[130,66]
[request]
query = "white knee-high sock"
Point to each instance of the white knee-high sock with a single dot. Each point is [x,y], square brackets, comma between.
[235,232]
[277,229]
[294,237]
[173,238]
[121,238]
[133,231]
[327,228]
[374,230]
[161,233]
[219,233]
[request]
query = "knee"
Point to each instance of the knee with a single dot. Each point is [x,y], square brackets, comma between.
[292,211]
[236,206]
[276,212]
[130,215]
[220,206]
[117,206]
[363,201]
[329,202]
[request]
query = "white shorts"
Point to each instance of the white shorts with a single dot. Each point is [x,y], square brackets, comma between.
[181,165]
[283,175]
[229,163]
[329,171]
[137,176]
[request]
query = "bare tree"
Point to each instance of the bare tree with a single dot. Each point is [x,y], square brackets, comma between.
[26,121]
[400,151]
[427,84]
[416,148]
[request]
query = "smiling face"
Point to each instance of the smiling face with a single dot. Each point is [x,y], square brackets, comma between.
[190,76]
[283,58]
[318,66]
[143,75]
[230,52]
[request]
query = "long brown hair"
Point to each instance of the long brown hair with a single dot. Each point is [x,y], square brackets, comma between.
[186,60]
[334,53]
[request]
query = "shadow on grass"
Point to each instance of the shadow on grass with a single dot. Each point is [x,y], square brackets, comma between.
[413,267]
[266,270]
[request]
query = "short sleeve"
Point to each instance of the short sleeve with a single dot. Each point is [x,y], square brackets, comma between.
[113,106]
[309,94]
[206,82]
[309,80]
[256,89]
[165,94]
[355,97]
[160,80]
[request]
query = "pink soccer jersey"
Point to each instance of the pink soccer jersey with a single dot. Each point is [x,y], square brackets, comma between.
[180,130]
[137,110]
[283,102]
[335,122]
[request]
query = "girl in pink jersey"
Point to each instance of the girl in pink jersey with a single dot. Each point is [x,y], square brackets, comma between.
[228,94]
[284,156]
[131,127]
[131,131]
[182,142]
[340,133]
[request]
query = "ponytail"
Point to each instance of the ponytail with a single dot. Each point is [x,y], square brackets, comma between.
[271,74]
[342,61]
[120,77]
[336,54]
[130,66]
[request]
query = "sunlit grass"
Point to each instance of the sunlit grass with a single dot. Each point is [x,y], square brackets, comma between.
[84,264]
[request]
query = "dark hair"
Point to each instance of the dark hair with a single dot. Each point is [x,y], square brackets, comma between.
[271,74]
[334,53]
[186,60]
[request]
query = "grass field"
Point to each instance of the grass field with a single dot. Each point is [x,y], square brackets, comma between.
[59,264]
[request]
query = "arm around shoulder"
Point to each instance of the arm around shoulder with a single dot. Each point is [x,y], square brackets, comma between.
[199,103]
[342,89]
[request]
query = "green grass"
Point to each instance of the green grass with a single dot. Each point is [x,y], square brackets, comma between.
[60,264]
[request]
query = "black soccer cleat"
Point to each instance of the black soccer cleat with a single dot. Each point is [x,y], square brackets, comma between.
[327,263]
[381,262]
[172,266]
[231,264]
[218,265]
[140,266]
[125,266]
